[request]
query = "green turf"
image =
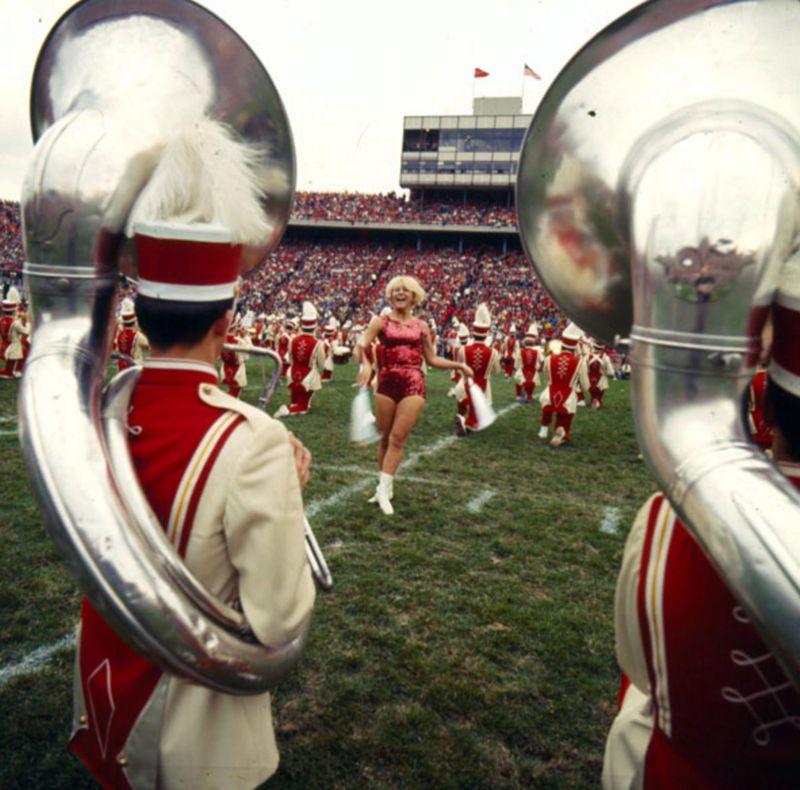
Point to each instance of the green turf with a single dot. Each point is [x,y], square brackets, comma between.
[458,648]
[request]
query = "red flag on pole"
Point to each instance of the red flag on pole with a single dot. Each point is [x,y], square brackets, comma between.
[529,72]
[480,73]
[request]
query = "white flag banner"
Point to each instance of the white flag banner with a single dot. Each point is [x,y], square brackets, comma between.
[484,413]
[362,421]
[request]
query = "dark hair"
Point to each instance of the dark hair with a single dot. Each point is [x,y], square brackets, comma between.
[168,323]
[783,410]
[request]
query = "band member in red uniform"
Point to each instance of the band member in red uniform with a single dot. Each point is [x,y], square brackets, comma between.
[599,368]
[724,714]
[529,361]
[258,330]
[760,428]
[457,354]
[234,363]
[485,361]
[508,351]
[564,372]
[225,482]
[400,396]
[306,357]
[14,328]
[329,333]
[129,341]
[282,343]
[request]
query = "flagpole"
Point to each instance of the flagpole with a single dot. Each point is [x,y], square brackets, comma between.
[472,104]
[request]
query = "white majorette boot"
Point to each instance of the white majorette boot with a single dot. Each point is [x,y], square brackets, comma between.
[385,492]
[543,432]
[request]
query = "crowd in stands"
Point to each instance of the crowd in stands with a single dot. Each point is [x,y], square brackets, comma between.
[391,208]
[12,254]
[347,279]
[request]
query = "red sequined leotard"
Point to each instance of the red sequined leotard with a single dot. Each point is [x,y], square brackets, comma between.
[400,375]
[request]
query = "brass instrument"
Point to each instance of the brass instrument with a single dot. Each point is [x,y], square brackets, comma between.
[658,200]
[112,82]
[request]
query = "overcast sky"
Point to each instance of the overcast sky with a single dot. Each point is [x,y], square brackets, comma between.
[348,72]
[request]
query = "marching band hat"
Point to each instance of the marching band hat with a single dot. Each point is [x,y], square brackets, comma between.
[532,330]
[570,336]
[199,208]
[127,311]
[463,334]
[482,322]
[784,364]
[309,317]
[11,300]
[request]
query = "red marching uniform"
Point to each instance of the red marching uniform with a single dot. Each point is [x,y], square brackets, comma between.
[282,347]
[485,362]
[526,377]
[232,367]
[564,372]
[726,717]
[599,368]
[508,353]
[759,427]
[307,357]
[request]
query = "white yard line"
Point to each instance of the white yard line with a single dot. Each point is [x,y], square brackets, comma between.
[316,506]
[611,518]
[475,505]
[36,660]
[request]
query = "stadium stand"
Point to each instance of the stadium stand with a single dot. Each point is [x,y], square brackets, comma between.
[344,270]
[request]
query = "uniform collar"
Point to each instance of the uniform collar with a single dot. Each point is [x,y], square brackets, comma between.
[165,370]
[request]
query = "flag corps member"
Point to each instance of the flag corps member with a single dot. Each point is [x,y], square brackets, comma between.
[485,362]
[223,478]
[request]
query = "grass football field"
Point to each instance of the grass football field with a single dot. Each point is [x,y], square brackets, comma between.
[468,640]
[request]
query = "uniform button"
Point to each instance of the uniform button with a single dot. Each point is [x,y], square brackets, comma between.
[83,718]
[123,760]
[206,389]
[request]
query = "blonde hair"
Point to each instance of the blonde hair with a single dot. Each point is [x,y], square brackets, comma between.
[407,282]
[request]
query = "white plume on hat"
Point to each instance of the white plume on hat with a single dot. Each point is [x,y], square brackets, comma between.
[463,331]
[205,175]
[12,296]
[127,307]
[533,330]
[483,318]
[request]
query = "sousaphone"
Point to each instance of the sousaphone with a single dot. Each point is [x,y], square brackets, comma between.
[113,80]
[658,201]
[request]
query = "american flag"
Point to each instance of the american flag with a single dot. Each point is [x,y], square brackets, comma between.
[529,72]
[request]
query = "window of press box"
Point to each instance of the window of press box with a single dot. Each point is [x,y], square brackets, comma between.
[421,140]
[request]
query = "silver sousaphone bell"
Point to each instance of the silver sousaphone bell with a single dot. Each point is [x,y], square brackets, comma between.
[111,83]
[658,201]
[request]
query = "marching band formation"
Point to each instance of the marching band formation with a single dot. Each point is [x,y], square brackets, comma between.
[705,699]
